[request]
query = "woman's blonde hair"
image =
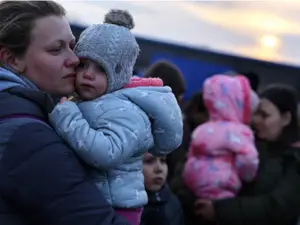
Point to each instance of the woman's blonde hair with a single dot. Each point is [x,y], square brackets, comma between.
[17,19]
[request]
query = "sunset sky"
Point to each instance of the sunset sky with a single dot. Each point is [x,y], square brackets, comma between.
[268,30]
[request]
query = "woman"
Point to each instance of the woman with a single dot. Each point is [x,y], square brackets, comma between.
[42,181]
[273,198]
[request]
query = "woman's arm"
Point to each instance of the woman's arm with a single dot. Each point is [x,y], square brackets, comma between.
[43,178]
[279,207]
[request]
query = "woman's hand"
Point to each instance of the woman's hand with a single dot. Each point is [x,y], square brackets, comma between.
[205,209]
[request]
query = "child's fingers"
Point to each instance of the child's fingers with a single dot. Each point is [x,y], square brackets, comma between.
[71,98]
[63,99]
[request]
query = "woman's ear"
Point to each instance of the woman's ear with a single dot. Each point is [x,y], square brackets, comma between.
[286,118]
[7,57]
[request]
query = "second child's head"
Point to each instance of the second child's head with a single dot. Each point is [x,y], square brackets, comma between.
[229,98]
[107,53]
[155,171]
[91,80]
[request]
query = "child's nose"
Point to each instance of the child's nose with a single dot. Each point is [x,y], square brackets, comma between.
[158,168]
[88,75]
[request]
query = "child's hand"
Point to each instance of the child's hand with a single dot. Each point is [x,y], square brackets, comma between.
[62,100]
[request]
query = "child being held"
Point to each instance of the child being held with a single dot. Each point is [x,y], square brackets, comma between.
[112,127]
[222,151]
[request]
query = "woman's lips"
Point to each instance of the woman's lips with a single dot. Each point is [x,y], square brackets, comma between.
[71,75]
[70,78]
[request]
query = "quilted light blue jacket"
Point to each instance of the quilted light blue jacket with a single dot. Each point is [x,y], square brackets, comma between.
[112,133]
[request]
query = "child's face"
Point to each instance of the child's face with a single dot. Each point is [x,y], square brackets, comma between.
[91,80]
[155,172]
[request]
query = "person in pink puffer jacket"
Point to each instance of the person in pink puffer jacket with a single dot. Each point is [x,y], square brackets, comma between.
[222,152]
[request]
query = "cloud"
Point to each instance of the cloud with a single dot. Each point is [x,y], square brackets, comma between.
[227,26]
[246,17]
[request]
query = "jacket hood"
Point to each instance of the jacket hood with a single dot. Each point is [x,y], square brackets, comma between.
[228,98]
[21,97]
[8,80]
[161,106]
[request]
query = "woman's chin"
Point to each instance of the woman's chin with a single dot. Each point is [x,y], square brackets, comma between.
[66,90]
[261,136]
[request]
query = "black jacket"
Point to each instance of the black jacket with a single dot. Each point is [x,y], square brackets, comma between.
[273,198]
[163,208]
[41,180]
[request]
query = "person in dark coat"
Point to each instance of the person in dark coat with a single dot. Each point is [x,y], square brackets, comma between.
[195,112]
[41,179]
[163,207]
[172,76]
[273,198]
[253,78]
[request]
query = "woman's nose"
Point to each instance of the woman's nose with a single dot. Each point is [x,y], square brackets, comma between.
[256,120]
[72,61]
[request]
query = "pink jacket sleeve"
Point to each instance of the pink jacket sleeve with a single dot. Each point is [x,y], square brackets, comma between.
[246,160]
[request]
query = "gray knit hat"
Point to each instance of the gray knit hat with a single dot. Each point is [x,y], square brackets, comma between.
[112,46]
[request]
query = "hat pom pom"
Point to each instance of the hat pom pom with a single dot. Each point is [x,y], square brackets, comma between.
[119,17]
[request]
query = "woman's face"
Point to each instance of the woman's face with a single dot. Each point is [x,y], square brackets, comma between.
[268,121]
[155,172]
[49,61]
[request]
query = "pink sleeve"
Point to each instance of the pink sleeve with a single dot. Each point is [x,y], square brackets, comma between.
[246,160]
[190,173]
[194,149]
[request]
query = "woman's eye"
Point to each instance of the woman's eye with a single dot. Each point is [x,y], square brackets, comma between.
[72,46]
[55,50]
[264,115]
